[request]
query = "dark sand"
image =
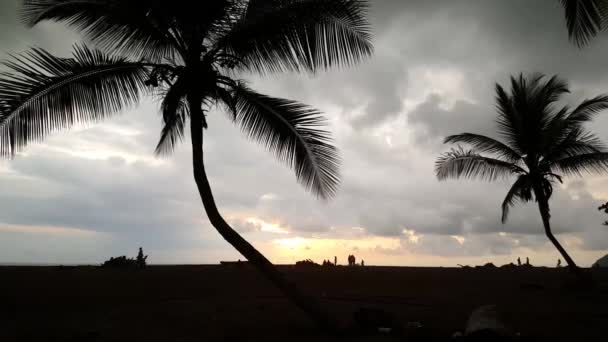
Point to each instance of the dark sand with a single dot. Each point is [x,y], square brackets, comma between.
[228,303]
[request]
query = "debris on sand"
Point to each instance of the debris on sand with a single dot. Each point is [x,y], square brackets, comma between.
[509,266]
[487,266]
[307,263]
[485,324]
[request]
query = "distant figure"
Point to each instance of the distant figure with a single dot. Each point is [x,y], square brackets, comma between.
[518,261]
[527,261]
[335,260]
[559,263]
[141,259]
[362,262]
[352,260]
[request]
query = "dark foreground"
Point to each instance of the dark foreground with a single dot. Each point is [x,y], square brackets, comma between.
[232,303]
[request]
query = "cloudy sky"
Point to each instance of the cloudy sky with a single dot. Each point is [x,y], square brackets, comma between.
[98,191]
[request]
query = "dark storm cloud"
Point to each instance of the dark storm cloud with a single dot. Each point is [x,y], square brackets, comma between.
[437,123]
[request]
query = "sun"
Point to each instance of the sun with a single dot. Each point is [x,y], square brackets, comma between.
[290,243]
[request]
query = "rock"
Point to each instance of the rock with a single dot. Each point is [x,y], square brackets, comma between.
[601,262]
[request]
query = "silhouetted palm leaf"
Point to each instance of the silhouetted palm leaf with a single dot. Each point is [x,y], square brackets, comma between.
[459,163]
[520,190]
[43,93]
[588,109]
[577,141]
[483,144]
[292,131]
[175,112]
[138,28]
[508,122]
[585,19]
[578,164]
[304,35]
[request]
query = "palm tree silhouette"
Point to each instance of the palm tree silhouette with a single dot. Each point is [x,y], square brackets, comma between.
[191,55]
[585,19]
[541,143]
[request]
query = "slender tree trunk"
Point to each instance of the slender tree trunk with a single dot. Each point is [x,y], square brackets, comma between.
[305,302]
[543,207]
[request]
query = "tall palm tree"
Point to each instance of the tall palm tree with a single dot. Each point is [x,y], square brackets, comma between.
[585,19]
[540,144]
[190,53]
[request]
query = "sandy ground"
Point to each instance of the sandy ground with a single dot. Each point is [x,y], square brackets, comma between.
[226,303]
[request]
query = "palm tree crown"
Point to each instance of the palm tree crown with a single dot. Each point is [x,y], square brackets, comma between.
[540,142]
[177,49]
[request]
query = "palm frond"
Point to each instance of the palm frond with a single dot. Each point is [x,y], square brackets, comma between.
[520,190]
[460,163]
[43,93]
[227,99]
[577,141]
[588,109]
[299,35]
[136,28]
[584,19]
[508,121]
[582,163]
[292,131]
[483,144]
[542,95]
[175,111]
[556,128]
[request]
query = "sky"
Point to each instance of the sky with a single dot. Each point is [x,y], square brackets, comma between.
[97,191]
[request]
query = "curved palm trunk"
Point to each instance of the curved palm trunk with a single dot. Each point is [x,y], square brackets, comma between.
[543,207]
[308,304]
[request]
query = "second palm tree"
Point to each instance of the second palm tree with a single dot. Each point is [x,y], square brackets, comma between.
[541,144]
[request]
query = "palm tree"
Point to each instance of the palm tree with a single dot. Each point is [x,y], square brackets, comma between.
[585,19]
[541,143]
[190,55]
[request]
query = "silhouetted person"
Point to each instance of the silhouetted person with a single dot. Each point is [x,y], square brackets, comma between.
[362,262]
[335,260]
[527,261]
[141,259]
[559,263]
[518,261]
[351,260]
